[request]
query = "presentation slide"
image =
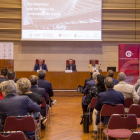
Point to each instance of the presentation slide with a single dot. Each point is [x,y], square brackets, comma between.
[62,20]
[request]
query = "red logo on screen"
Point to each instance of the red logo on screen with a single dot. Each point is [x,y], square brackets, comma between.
[60,35]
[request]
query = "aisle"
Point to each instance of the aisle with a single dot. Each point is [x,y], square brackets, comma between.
[65,119]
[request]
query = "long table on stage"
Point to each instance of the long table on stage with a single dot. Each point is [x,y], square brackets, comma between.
[62,80]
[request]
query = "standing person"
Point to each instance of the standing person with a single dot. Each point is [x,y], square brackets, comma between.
[71,66]
[42,83]
[40,66]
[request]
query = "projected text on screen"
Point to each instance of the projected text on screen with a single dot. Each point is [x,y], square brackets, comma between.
[70,20]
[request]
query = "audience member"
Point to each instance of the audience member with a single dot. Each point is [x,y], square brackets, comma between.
[24,86]
[110,96]
[34,87]
[3,75]
[1,97]
[127,90]
[42,83]
[11,75]
[13,105]
[90,83]
[40,66]
[110,73]
[137,85]
[71,66]
[88,79]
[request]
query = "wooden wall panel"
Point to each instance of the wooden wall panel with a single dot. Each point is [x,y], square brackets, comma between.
[10,3]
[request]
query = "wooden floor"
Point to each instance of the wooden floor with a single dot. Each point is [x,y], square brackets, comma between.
[65,119]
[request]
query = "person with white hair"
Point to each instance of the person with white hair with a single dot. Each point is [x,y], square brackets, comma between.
[127,90]
[40,66]
[90,83]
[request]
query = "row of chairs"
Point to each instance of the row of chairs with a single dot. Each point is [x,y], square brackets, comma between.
[108,110]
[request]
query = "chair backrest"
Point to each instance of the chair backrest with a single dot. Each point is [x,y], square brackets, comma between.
[135,136]
[96,62]
[108,110]
[37,61]
[134,109]
[93,102]
[25,123]
[121,121]
[43,102]
[13,136]
[128,102]
[67,62]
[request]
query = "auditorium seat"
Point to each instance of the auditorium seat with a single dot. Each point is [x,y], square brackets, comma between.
[67,62]
[36,62]
[96,62]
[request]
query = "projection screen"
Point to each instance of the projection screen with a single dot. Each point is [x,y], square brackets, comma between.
[62,20]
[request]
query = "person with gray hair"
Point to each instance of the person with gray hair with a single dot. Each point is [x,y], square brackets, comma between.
[110,96]
[40,66]
[13,105]
[93,67]
[110,73]
[90,83]
[127,90]
[43,83]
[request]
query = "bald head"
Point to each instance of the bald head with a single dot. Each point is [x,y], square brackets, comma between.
[121,76]
[109,82]
[110,73]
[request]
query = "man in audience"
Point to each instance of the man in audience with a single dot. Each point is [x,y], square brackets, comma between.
[127,90]
[3,75]
[40,66]
[90,83]
[88,79]
[71,66]
[13,105]
[34,87]
[110,73]
[110,96]
[45,84]
[11,75]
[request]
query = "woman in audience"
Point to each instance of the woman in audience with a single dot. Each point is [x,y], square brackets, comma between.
[137,85]
[1,97]
[95,90]
[24,86]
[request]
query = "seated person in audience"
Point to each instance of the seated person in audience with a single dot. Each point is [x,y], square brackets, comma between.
[71,66]
[137,85]
[110,73]
[40,66]
[127,90]
[42,83]
[1,97]
[34,87]
[88,79]
[110,96]
[24,86]
[3,75]
[92,67]
[95,90]
[90,83]
[13,105]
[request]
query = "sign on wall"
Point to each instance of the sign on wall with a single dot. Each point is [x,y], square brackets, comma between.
[129,61]
[6,50]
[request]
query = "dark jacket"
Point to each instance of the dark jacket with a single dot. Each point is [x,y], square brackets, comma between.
[110,97]
[115,81]
[37,67]
[13,105]
[86,80]
[42,83]
[73,67]
[3,79]
[88,86]
[40,91]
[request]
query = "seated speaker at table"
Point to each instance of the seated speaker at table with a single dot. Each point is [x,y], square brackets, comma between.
[93,67]
[40,66]
[70,65]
